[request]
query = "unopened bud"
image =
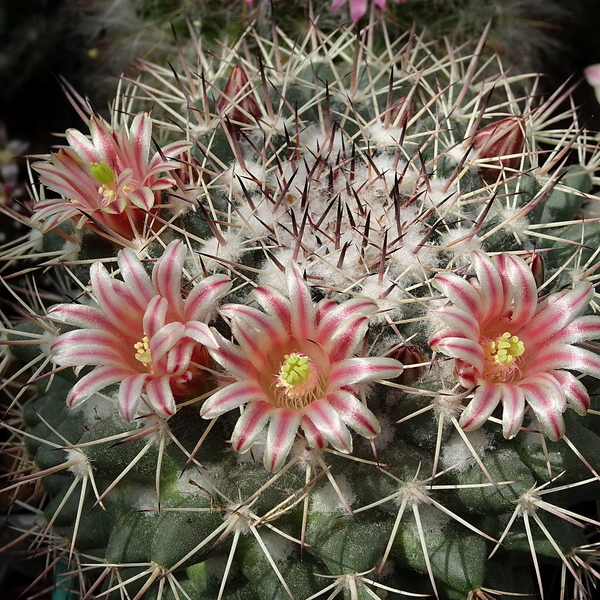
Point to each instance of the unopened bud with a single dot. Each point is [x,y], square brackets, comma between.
[537,268]
[504,141]
[400,112]
[237,101]
[408,355]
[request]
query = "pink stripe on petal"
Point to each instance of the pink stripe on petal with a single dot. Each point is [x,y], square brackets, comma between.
[301,305]
[523,291]
[347,338]
[160,396]
[313,436]
[580,330]
[250,424]
[491,285]
[84,147]
[560,356]
[464,349]
[460,292]
[142,198]
[356,370]
[232,359]
[334,319]
[513,409]
[164,339]
[201,333]
[130,394]
[484,402]
[201,301]
[557,313]
[282,433]
[275,304]
[575,392]
[232,396]
[179,357]
[167,276]
[247,316]
[135,276]
[88,317]
[548,401]
[329,423]
[155,315]
[354,413]
[93,382]
[459,321]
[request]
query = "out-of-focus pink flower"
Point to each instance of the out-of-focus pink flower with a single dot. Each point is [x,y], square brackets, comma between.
[108,179]
[295,367]
[512,348]
[142,334]
[592,76]
[358,7]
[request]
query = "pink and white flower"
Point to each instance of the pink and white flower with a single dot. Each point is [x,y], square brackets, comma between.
[295,367]
[514,348]
[142,334]
[358,7]
[108,179]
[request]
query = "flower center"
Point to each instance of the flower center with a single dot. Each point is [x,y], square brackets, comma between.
[500,356]
[102,173]
[297,383]
[143,353]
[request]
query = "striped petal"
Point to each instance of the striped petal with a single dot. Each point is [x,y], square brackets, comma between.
[167,276]
[160,396]
[354,413]
[130,395]
[484,402]
[463,349]
[93,382]
[328,422]
[232,396]
[282,433]
[201,300]
[548,402]
[250,425]
[513,409]
[575,392]
[357,370]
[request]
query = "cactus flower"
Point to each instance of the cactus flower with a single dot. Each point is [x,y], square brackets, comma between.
[295,367]
[107,180]
[358,7]
[237,102]
[514,349]
[142,334]
[500,144]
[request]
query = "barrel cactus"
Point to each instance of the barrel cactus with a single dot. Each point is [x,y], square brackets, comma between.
[310,318]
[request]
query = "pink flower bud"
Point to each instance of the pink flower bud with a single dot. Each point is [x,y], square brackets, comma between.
[536,264]
[237,101]
[409,354]
[503,140]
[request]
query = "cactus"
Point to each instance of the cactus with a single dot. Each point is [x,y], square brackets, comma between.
[326,342]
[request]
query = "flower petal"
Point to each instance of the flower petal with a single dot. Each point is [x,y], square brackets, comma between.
[466,350]
[301,305]
[232,396]
[282,433]
[200,302]
[167,276]
[354,413]
[130,394]
[160,396]
[548,402]
[484,402]
[250,424]
[356,370]
[513,410]
[329,423]
[135,277]
[93,382]
[575,392]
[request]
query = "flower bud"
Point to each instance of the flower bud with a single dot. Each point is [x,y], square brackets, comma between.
[409,354]
[237,101]
[403,109]
[503,140]
[536,264]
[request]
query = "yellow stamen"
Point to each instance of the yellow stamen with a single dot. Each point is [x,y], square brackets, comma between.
[143,353]
[296,381]
[507,348]
[500,356]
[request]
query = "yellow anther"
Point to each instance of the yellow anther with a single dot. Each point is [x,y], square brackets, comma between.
[296,381]
[143,353]
[508,347]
